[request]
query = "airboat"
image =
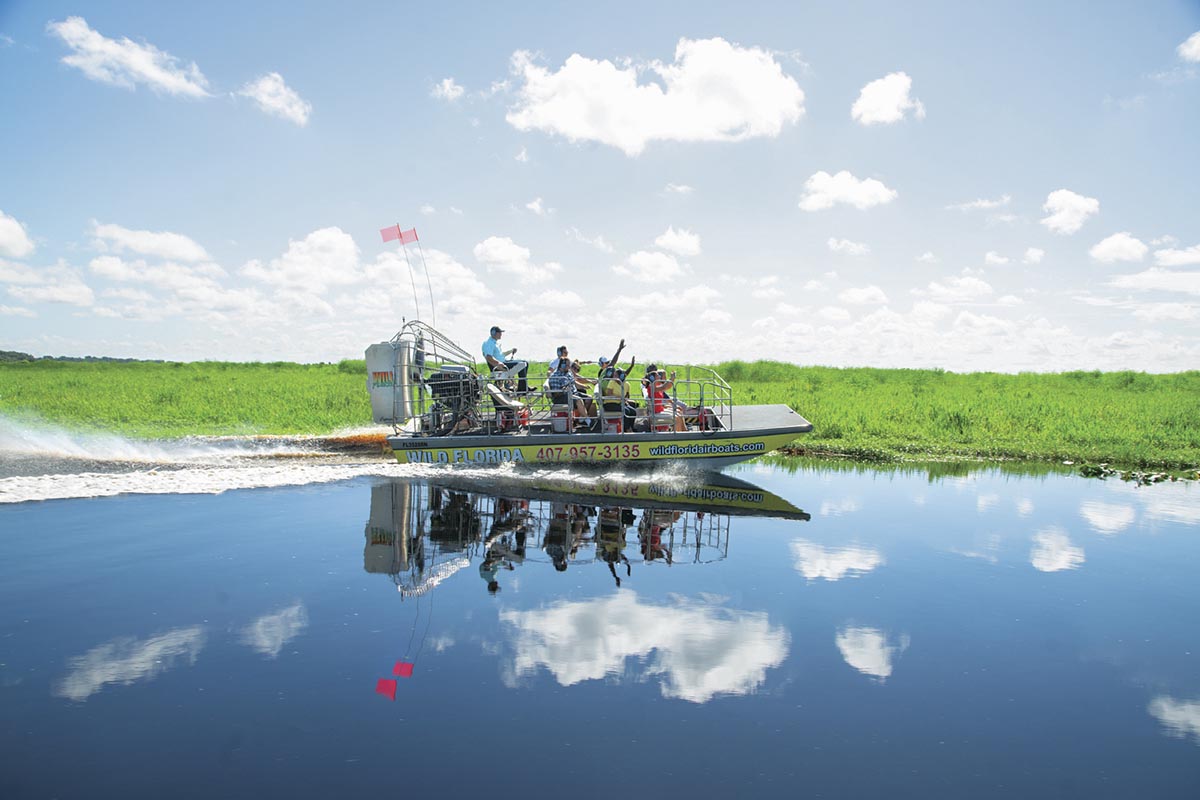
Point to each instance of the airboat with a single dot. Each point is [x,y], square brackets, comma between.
[445,408]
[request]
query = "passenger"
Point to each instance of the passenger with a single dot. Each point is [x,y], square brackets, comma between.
[614,393]
[503,368]
[656,385]
[605,362]
[563,389]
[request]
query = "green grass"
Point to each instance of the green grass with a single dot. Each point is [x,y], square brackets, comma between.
[1123,418]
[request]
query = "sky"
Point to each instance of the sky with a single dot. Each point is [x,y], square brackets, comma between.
[972,186]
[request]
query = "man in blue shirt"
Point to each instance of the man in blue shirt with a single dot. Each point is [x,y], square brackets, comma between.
[498,360]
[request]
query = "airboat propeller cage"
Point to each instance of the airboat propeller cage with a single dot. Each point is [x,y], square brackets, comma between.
[417,358]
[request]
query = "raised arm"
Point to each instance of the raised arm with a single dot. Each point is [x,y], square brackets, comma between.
[617,354]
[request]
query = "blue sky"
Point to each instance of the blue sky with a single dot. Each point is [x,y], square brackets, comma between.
[964,185]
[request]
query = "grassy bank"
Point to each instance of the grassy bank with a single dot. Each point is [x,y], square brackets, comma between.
[1125,418]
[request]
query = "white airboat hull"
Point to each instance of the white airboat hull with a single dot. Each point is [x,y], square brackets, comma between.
[755,430]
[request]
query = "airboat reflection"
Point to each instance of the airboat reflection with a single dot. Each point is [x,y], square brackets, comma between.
[421,533]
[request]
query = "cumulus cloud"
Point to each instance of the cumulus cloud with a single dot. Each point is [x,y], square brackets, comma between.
[275,97]
[957,289]
[1052,551]
[994,259]
[1181,718]
[448,89]
[1068,211]
[650,267]
[57,284]
[1159,279]
[522,156]
[269,633]
[886,100]
[678,188]
[502,254]
[555,298]
[680,242]
[537,207]
[1190,49]
[126,660]
[163,244]
[713,91]
[324,258]
[865,296]
[1033,255]
[1162,312]
[598,241]
[14,240]
[1119,247]
[697,651]
[868,650]
[981,204]
[848,247]
[1172,257]
[815,561]
[823,190]
[126,63]
[927,258]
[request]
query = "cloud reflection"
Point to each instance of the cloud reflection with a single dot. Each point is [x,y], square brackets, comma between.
[270,632]
[1181,718]
[868,650]
[126,660]
[833,563]
[1052,551]
[1107,517]
[697,650]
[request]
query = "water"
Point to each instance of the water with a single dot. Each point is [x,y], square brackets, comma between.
[230,622]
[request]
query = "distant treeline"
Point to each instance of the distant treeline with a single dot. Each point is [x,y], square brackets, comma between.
[16,355]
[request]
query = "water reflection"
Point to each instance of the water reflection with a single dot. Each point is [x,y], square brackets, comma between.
[868,650]
[126,660]
[1181,718]
[833,563]
[1107,518]
[695,649]
[270,632]
[1052,551]
[421,533]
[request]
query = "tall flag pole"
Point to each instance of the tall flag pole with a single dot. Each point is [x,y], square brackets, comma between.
[393,233]
[428,281]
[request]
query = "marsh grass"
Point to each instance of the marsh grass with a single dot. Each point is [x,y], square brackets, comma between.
[1127,418]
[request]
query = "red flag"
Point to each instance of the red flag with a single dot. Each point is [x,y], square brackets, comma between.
[391,233]
[403,669]
[387,688]
[409,236]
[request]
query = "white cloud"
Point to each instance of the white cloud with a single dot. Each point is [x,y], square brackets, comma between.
[324,258]
[535,205]
[1033,255]
[1068,210]
[1052,551]
[14,241]
[598,241]
[1009,300]
[994,259]
[848,247]
[649,267]
[696,650]
[868,650]
[67,288]
[1159,279]
[522,156]
[427,209]
[555,298]
[275,97]
[164,244]
[1172,257]
[126,660]
[126,63]
[269,633]
[678,188]
[680,242]
[925,312]
[1119,247]
[6,40]
[502,254]
[815,561]
[1190,49]
[1181,718]
[1107,517]
[714,91]
[886,100]
[833,314]
[16,311]
[864,296]
[447,89]
[981,204]
[957,289]
[927,258]
[823,190]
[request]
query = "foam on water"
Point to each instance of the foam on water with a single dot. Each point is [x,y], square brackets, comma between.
[62,465]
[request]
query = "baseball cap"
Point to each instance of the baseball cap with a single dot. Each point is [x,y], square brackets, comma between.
[497,329]
[602,360]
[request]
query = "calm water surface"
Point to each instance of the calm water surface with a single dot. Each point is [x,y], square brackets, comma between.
[310,628]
